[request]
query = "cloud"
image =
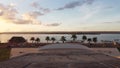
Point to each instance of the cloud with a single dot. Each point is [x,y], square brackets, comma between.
[37,5]
[75,4]
[1,12]
[9,14]
[32,15]
[92,11]
[89,12]
[71,5]
[45,10]
[53,24]
[12,4]
[22,21]
[89,2]
[28,18]
[112,22]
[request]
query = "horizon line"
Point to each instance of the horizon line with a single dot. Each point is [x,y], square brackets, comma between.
[64,32]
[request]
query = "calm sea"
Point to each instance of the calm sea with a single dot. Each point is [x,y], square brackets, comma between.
[109,37]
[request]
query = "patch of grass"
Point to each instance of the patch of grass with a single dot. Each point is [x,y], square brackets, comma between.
[4,53]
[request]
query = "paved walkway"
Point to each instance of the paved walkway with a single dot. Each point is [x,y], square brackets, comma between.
[63,58]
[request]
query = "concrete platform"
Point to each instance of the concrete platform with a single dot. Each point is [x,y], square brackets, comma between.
[63,46]
[63,58]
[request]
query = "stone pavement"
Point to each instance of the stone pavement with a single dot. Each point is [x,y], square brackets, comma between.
[63,58]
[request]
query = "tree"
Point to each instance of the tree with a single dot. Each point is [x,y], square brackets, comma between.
[32,39]
[47,39]
[37,40]
[89,40]
[63,39]
[84,38]
[94,39]
[53,39]
[74,37]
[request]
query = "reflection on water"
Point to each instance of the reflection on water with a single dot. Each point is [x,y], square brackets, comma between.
[110,37]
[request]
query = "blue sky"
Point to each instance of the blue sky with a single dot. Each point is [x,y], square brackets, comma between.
[59,15]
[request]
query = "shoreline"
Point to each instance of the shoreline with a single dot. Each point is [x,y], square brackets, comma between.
[36,45]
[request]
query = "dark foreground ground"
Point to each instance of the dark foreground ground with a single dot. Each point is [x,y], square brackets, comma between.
[63,58]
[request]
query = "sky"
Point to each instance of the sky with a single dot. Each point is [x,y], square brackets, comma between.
[59,15]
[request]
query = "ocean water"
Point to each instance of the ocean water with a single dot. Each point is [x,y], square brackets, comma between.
[109,37]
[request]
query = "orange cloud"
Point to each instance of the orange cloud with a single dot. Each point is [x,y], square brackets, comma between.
[9,14]
[53,24]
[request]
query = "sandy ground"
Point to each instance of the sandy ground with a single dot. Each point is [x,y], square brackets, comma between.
[21,51]
[109,51]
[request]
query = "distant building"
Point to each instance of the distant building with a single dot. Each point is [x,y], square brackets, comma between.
[17,40]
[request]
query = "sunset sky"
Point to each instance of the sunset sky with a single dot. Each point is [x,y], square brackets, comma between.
[59,15]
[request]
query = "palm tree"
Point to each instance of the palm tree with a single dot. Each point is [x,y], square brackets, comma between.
[94,39]
[37,40]
[63,39]
[47,39]
[89,40]
[32,39]
[53,39]
[74,37]
[84,38]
